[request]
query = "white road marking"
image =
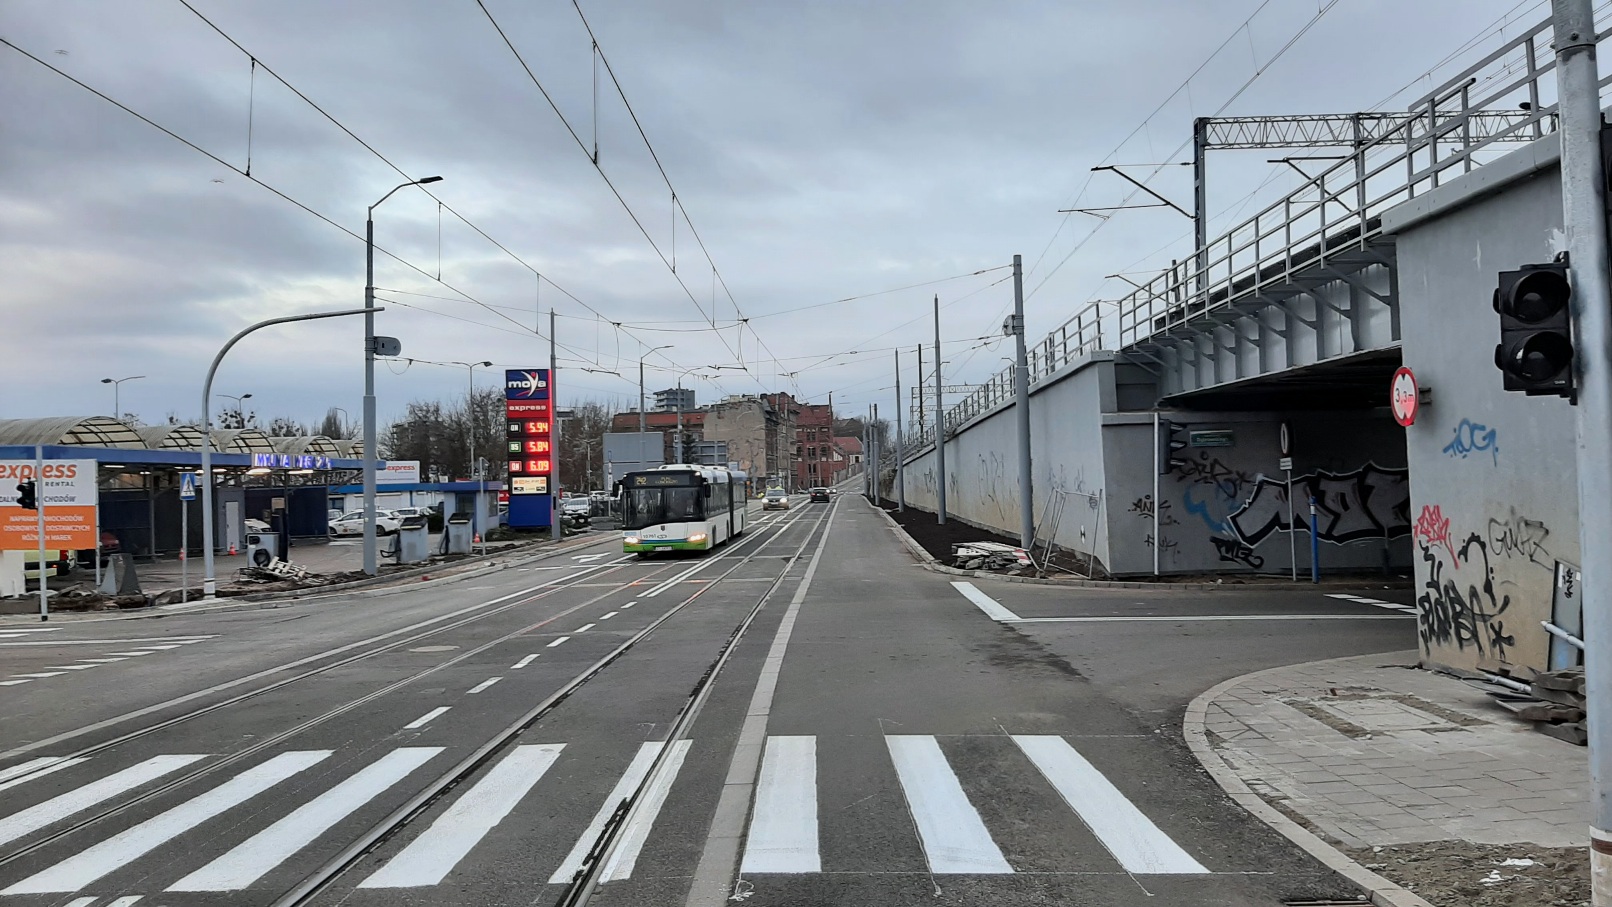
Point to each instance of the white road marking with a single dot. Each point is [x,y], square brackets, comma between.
[630,779]
[484,685]
[36,768]
[128,900]
[19,631]
[425,719]
[1133,839]
[253,858]
[429,858]
[12,683]
[637,831]
[523,662]
[160,648]
[86,866]
[556,642]
[80,902]
[783,825]
[102,642]
[954,838]
[587,558]
[129,654]
[55,809]
[70,667]
[628,605]
[41,674]
[610,615]
[101,661]
[992,608]
[1393,606]
[1203,617]
[584,628]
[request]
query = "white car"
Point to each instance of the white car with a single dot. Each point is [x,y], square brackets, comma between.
[386,523]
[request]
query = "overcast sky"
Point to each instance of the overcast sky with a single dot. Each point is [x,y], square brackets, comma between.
[822,150]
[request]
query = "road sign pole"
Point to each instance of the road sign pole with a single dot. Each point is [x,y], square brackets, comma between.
[184,550]
[39,510]
[1292,530]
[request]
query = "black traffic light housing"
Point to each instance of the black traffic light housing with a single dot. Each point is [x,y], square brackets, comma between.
[25,495]
[1535,352]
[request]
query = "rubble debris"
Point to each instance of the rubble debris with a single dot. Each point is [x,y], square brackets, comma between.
[1553,700]
[988,556]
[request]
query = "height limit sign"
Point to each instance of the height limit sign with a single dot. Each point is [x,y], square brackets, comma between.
[1404,397]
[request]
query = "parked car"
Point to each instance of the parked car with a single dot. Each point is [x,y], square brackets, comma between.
[386,523]
[775,499]
[332,515]
[819,496]
[577,509]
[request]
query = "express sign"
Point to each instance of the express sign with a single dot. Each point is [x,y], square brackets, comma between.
[65,488]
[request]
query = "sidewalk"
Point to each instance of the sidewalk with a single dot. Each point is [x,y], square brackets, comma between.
[1416,775]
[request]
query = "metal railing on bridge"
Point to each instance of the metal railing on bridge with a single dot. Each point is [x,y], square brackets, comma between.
[1503,99]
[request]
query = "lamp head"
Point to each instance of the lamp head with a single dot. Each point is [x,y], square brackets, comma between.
[429,179]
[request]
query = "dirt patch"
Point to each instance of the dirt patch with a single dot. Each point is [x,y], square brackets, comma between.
[1461,874]
[937,539]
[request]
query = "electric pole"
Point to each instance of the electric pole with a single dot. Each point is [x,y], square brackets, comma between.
[1021,403]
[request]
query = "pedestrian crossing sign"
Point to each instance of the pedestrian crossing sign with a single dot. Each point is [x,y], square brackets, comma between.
[187,486]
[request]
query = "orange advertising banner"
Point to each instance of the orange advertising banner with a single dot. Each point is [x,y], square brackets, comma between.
[69,526]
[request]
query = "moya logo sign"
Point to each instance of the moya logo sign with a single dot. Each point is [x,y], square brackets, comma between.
[526,384]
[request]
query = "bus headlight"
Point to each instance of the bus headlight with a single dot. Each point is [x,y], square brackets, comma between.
[697,537]
[631,540]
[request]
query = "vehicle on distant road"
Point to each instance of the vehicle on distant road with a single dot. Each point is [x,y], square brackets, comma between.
[820,496]
[577,509]
[386,523]
[775,499]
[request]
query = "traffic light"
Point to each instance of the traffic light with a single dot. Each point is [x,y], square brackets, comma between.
[1171,438]
[25,495]
[1535,351]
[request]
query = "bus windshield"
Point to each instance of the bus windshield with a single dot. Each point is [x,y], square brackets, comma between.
[649,506]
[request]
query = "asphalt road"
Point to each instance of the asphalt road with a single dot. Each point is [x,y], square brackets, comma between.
[845,727]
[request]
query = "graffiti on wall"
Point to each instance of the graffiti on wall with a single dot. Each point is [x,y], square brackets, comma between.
[1458,605]
[1473,437]
[1162,517]
[1517,536]
[1368,503]
[1236,552]
[1433,529]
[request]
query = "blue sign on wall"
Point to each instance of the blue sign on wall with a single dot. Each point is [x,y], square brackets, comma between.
[291,461]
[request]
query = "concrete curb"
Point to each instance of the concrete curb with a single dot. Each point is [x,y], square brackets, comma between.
[389,584]
[1382,892]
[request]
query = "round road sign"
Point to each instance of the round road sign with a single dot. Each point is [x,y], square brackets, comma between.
[1404,397]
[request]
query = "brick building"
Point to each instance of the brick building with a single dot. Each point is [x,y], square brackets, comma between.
[816,462]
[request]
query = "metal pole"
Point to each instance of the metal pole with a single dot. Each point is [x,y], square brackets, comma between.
[209,586]
[1021,403]
[117,405]
[878,450]
[940,428]
[556,531]
[1584,215]
[1158,468]
[901,454]
[1200,199]
[184,551]
[1292,530]
[677,443]
[39,514]
[1315,546]
[371,564]
[642,427]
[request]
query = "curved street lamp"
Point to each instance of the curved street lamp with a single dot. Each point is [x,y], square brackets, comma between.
[117,383]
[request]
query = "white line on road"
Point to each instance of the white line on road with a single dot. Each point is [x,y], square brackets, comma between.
[55,809]
[70,667]
[783,824]
[128,900]
[128,654]
[523,662]
[160,648]
[484,685]
[954,838]
[625,856]
[1133,839]
[628,605]
[1203,617]
[429,858]
[556,642]
[36,768]
[253,858]
[101,661]
[992,608]
[426,719]
[80,902]
[13,683]
[630,779]
[608,616]
[121,849]
[41,674]
[584,628]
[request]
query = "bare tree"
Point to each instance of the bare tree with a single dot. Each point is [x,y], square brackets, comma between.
[582,446]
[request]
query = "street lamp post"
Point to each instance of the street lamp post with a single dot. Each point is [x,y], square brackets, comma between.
[240,405]
[209,587]
[677,443]
[642,426]
[470,417]
[371,566]
[117,385]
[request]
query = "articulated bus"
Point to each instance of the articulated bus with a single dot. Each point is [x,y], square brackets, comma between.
[681,508]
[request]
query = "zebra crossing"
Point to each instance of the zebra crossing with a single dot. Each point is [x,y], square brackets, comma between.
[1375,602]
[784,831]
[73,665]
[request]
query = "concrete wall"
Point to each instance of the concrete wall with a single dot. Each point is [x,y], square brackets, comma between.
[1217,509]
[1494,484]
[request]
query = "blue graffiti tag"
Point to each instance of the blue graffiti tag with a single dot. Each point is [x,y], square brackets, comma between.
[1473,437]
[1214,511]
